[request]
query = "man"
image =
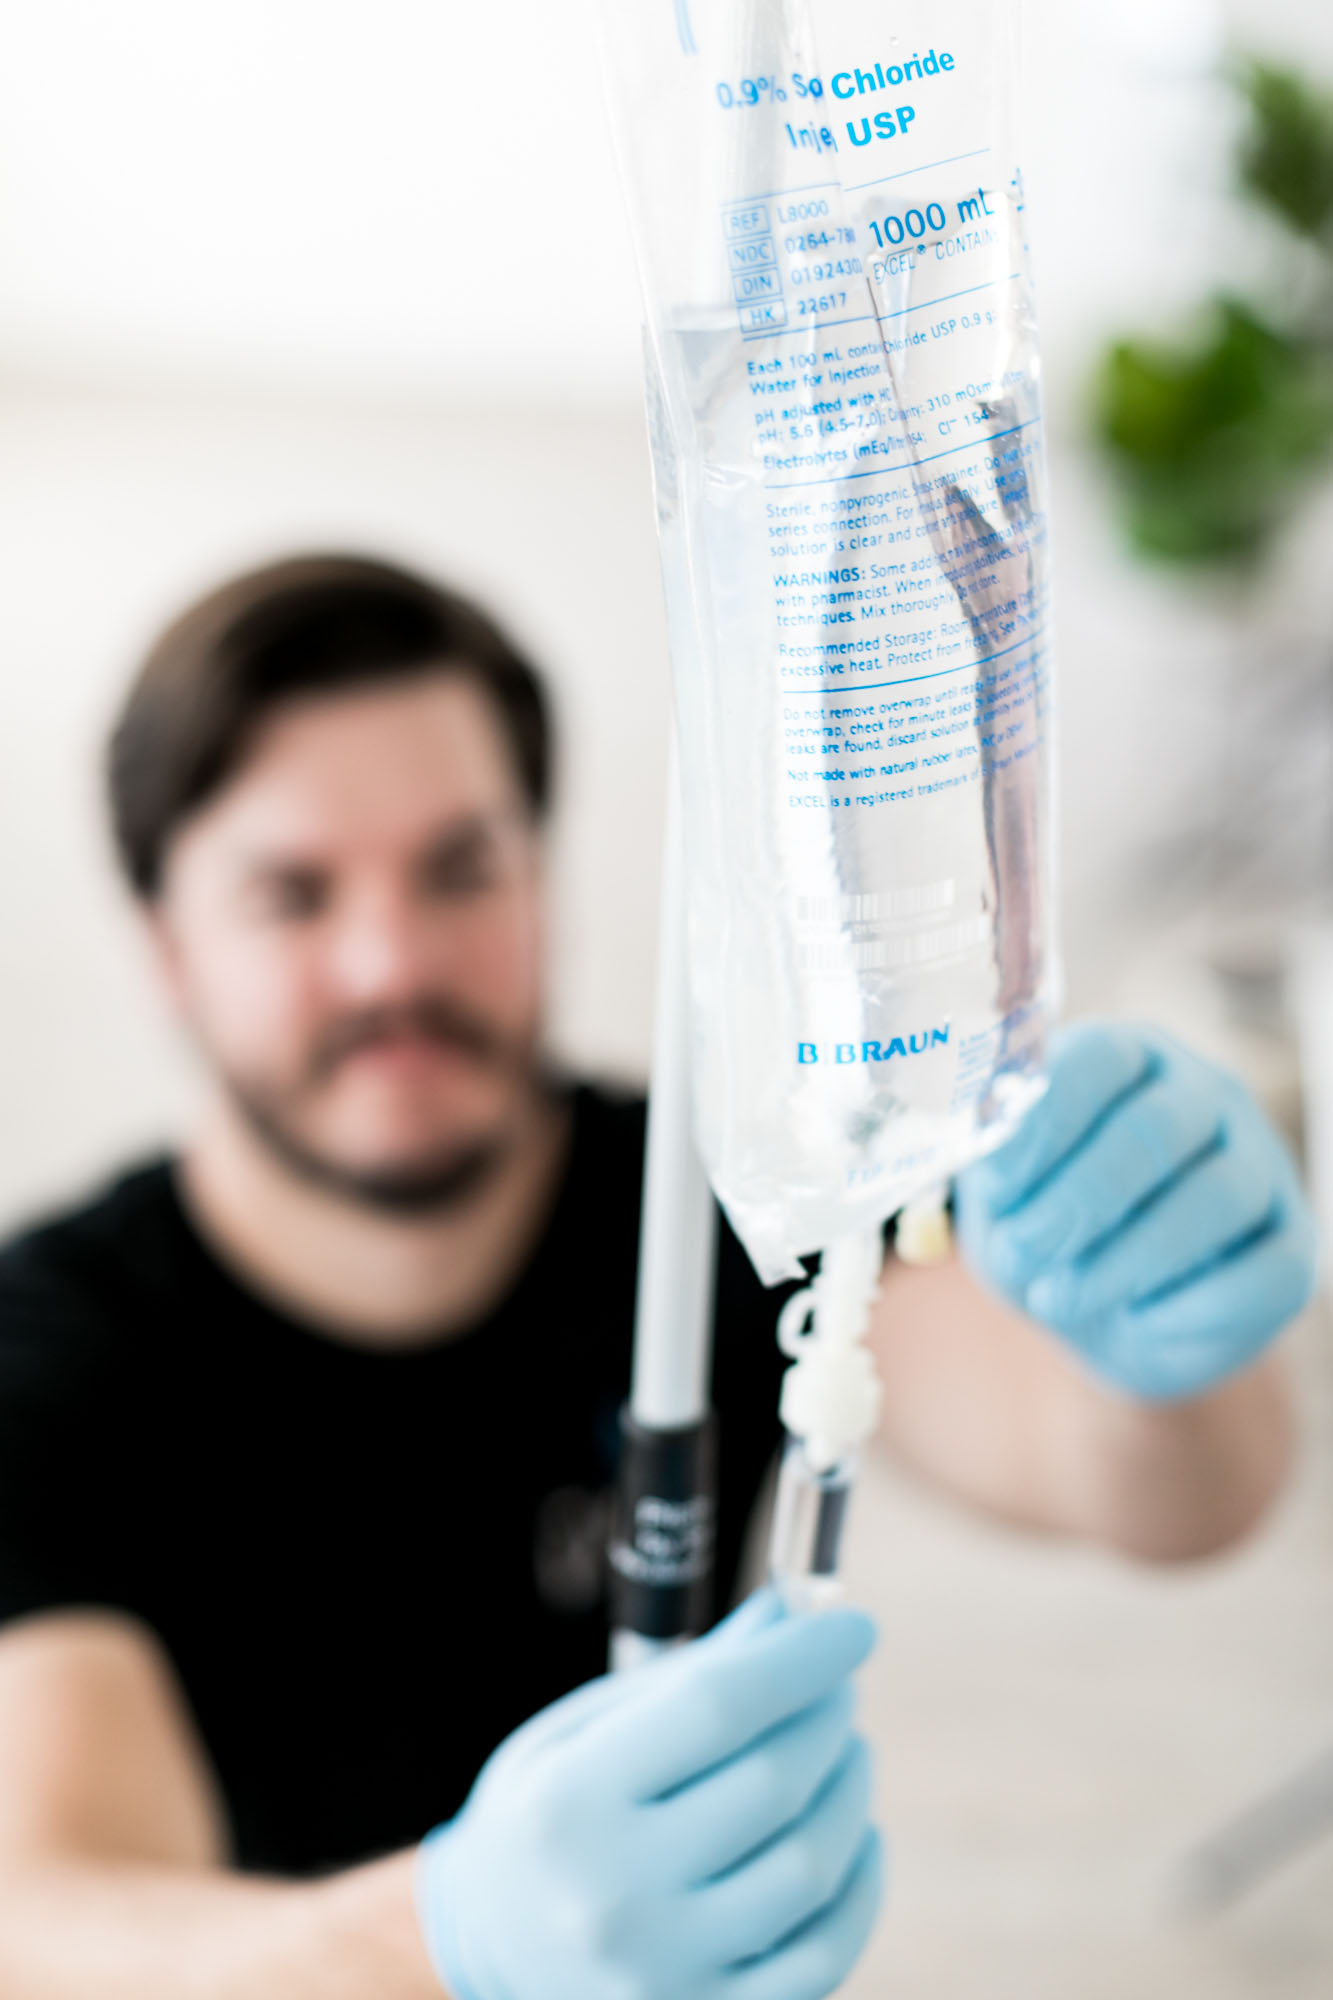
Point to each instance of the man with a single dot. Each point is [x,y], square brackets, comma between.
[304,1435]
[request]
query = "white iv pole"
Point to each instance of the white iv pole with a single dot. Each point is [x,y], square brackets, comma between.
[662,1548]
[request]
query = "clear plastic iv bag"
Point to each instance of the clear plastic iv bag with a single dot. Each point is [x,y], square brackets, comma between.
[847,444]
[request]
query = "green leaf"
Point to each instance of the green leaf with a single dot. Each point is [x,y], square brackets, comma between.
[1215,439]
[1286,156]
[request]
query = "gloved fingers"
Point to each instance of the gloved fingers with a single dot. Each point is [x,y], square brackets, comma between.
[1093,1068]
[1135,1151]
[573,1711]
[704,1705]
[1176,1345]
[1212,1210]
[712,1825]
[745,1913]
[817,1960]
[553,1725]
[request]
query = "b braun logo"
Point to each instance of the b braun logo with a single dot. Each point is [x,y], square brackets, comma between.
[840,1054]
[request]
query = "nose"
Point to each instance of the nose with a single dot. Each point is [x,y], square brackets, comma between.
[379,952]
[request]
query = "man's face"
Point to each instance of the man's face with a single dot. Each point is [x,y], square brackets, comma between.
[352,928]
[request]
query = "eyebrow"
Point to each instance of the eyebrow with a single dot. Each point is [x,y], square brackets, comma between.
[465,828]
[261,867]
[470,830]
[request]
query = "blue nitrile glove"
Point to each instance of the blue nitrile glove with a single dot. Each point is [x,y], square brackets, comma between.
[694,1830]
[1146,1211]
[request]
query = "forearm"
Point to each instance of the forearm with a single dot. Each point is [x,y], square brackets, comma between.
[71,1927]
[1171,1482]
[993,1410]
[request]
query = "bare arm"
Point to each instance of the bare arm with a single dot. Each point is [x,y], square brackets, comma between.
[113,1874]
[990,1408]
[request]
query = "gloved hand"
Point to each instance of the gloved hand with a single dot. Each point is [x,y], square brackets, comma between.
[1146,1211]
[694,1830]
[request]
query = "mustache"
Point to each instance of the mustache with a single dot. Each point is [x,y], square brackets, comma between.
[431,1018]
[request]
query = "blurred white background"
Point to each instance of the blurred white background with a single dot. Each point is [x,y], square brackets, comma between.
[293,273]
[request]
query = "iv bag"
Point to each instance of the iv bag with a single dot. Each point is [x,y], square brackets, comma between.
[846,432]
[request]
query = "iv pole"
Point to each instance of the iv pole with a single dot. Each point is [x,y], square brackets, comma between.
[661,1551]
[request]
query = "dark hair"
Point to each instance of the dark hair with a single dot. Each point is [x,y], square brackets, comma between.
[308,625]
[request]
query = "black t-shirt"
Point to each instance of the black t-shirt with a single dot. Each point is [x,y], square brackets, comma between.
[368,1567]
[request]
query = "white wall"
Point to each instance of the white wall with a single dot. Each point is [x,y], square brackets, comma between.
[311,189]
[1285,30]
[416,196]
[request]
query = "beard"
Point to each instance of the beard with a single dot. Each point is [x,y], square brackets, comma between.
[431,1184]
